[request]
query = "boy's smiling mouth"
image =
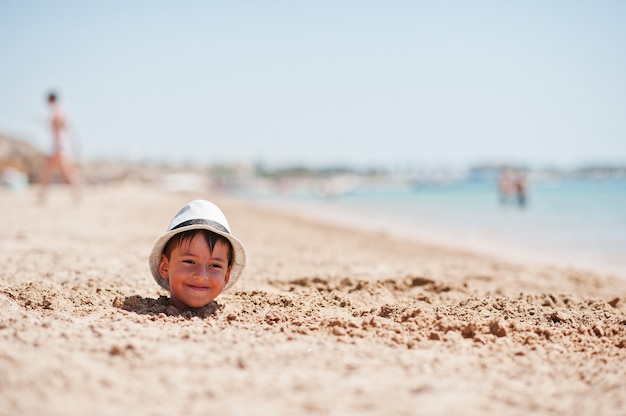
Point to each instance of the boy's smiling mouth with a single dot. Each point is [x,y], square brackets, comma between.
[198,288]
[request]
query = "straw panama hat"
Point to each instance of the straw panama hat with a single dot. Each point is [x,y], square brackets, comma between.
[198,215]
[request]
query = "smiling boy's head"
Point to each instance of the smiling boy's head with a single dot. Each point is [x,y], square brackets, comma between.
[197,257]
[197,264]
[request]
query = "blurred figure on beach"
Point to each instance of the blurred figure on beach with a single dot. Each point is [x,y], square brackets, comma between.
[506,186]
[60,155]
[512,186]
[520,188]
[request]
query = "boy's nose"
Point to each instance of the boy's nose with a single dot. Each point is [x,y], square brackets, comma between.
[202,271]
[205,271]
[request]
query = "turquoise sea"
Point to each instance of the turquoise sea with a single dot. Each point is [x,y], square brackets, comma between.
[580,223]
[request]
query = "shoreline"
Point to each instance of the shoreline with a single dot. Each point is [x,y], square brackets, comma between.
[493,248]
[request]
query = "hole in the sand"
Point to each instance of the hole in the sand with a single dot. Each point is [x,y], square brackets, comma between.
[156,307]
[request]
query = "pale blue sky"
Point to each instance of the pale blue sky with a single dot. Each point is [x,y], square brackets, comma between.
[358,82]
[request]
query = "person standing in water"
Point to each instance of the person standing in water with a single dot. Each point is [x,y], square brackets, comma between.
[60,156]
[520,189]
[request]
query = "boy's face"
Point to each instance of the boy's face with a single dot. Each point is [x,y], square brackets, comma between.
[196,274]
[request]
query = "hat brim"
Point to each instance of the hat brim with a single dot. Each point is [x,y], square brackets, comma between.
[239,254]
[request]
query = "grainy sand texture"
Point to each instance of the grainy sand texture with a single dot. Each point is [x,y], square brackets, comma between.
[325,321]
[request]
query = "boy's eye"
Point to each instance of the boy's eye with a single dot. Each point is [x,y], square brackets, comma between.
[216,266]
[188,261]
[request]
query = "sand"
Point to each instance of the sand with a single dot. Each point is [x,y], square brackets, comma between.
[326,320]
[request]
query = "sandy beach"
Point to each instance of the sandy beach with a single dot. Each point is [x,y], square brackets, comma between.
[325,321]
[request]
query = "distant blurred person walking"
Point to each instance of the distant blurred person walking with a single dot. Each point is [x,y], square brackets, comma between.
[60,156]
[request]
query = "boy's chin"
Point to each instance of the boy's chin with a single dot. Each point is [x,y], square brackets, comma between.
[179,304]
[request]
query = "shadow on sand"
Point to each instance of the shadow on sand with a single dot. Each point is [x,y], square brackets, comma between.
[156,307]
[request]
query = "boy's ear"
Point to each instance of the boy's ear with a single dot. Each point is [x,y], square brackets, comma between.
[227,277]
[163,267]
